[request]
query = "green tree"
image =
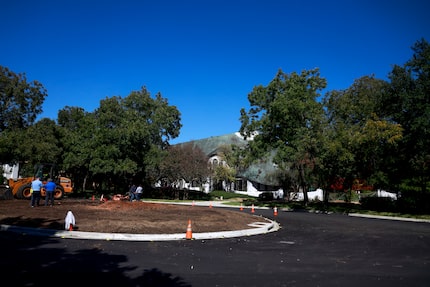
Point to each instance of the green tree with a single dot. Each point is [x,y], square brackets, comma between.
[9,139]
[77,128]
[289,120]
[185,161]
[408,104]
[20,101]
[170,165]
[225,170]
[122,140]
[360,139]
[40,142]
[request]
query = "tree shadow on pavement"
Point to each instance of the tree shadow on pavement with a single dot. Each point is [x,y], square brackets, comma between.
[27,261]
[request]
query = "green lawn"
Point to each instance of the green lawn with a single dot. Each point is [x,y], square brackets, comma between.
[336,206]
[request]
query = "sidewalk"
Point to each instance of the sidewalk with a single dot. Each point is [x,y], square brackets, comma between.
[389,217]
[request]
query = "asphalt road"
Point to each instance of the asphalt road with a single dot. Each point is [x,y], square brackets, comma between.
[309,250]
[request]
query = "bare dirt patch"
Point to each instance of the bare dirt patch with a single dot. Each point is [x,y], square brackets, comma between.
[124,216]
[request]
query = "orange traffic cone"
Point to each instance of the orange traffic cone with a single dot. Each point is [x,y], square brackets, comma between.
[241,206]
[210,205]
[275,211]
[189,234]
[252,208]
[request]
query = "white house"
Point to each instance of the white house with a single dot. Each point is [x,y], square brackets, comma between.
[255,180]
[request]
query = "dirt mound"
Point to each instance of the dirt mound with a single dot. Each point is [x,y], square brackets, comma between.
[124,217]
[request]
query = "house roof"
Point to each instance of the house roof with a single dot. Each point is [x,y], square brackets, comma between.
[211,145]
[261,171]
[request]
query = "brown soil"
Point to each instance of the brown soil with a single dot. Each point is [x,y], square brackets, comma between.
[124,216]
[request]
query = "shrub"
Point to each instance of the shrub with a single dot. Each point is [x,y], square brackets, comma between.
[378,204]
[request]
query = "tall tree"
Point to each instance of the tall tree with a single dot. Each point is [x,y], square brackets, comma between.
[77,129]
[40,142]
[408,104]
[360,139]
[288,119]
[122,139]
[20,101]
[187,162]
[225,169]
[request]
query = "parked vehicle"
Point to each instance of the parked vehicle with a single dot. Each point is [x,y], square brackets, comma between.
[19,186]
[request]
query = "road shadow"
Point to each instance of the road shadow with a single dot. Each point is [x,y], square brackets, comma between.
[27,261]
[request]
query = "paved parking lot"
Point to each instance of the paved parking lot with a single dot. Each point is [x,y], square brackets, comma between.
[308,250]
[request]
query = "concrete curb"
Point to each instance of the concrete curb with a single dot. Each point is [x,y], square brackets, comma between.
[214,203]
[257,228]
[389,217]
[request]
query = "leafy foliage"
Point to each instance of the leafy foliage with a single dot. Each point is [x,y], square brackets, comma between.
[288,119]
[358,132]
[186,162]
[21,101]
[121,141]
[408,104]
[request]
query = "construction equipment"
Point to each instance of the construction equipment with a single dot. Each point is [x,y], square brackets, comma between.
[18,185]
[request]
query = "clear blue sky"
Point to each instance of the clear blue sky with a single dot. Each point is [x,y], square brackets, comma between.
[204,57]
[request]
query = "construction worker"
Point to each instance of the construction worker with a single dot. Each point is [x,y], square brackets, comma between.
[132,192]
[139,191]
[36,186]
[50,190]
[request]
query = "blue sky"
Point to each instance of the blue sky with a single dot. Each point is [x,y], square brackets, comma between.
[204,57]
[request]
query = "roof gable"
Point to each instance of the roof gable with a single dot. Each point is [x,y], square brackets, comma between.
[263,171]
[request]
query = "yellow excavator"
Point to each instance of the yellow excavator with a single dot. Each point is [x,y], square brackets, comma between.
[18,186]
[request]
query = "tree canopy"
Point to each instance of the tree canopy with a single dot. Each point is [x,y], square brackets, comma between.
[120,139]
[288,119]
[408,104]
[185,161]
[20,101]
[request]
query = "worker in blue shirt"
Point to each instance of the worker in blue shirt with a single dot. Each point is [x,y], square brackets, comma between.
[36,186]
[50,190]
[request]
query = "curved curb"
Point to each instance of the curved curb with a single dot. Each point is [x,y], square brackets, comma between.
[258,228]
